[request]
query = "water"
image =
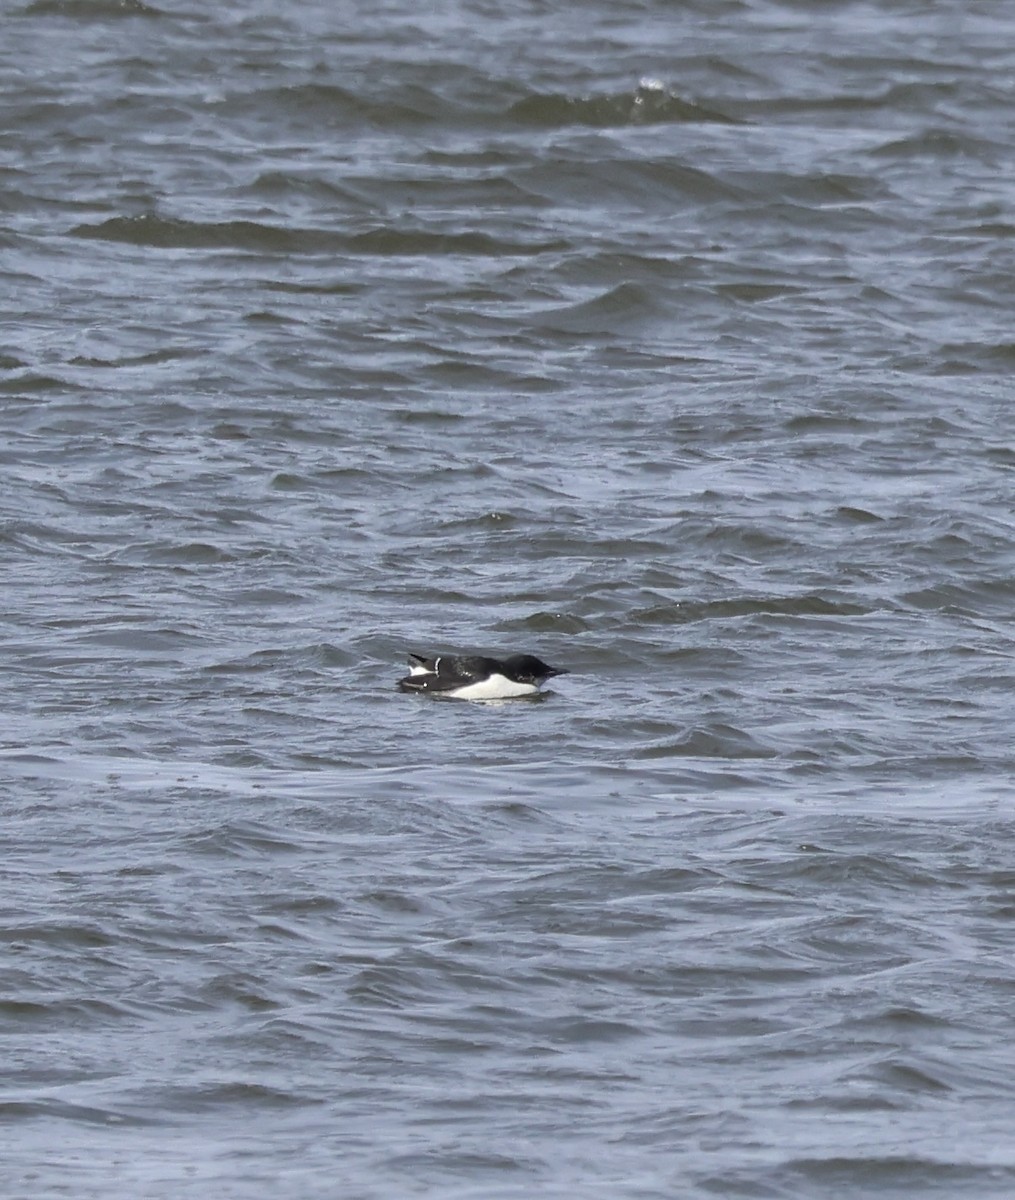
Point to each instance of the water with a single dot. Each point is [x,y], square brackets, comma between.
[670,343]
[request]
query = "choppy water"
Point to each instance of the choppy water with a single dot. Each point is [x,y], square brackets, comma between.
[671,343]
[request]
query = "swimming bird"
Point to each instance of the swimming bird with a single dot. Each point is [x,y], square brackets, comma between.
[473,677]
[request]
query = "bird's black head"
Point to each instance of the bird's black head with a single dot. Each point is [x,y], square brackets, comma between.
[526,668]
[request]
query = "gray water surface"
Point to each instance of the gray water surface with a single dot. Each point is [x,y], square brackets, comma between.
[671,343]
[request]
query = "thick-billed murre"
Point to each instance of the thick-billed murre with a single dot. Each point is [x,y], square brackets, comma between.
[474,677]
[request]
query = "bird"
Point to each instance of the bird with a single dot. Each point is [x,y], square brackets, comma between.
[474,677]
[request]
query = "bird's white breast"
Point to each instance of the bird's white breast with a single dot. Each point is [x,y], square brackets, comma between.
[495,687]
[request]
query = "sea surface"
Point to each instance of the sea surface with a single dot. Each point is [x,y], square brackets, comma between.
[671,342]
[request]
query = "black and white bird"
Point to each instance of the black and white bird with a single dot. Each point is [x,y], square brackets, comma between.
[473,677]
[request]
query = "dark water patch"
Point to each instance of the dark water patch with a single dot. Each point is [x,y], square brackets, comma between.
[69,1012]
[328,105]
[902,1078]
[838,105]
[32,382]
[240,1095]
[814,191]
[395,903]
[857,516]
[685,611]
[999,357]
[917,1174]
[152,358]
[718,741]
[940,143]
[141,640]
[605,264]
[459,191]
[977,598]
[899,872]
[628,183]
[338,287]
[490,522]
[289,187]
[91,10]
[177,234]
[188,554]
[546,622]
[436,417]
[419,242]
[466,376]
[285,481]
[51,1109]
[825,423]
[707,660]
[239,840]
[75,934]
[758,293]
[610,314]
[393,985]
[989,230]
[650,103]
[258,237]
